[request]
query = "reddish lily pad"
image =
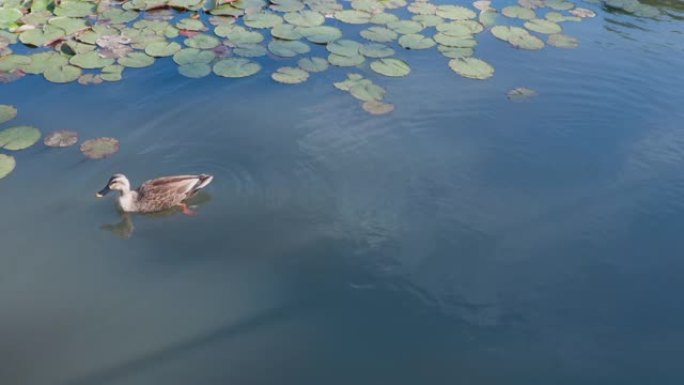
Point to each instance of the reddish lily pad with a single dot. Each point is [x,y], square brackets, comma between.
[99,148]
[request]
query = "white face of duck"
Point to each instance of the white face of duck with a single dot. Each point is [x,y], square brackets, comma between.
[117,182]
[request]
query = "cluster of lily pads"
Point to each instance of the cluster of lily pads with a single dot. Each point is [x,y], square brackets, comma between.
[94,41]
[22,137]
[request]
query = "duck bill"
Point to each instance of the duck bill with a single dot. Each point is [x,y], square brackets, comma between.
[103,192]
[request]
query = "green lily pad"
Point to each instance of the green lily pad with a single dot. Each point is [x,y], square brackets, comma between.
[162,49]
[238,35]
[562,41]
[379,34]
[559,17]
[236,68]
[7,164]
[136,60]
[321,34]
[344,47]
[287,5]
[543,26]
[19,137]
[99,148]
[10,63]
[416,41]
[376,50]
[370,6]
[517,37]
[391,67]
[383,18]
[189,24]
[112,73]
[69,25]
[472,68]
[455,52]
[488,18]
[62,74]
[351,16]
[7,113]
[465,41]
[455,12]
[405,26]
[262,20]
[250,50]
[74,8]
[422,8]
[193,55]
[520,93]
[90,60]
[516,11]
[194,70]
[346,61]
[290,75]
[87,79]
[202,41]
[366,91]
[9,16]
[284,48]
[305,18]
[286,32]
[313,64]
[347,84]
[40,37]
[559,5]
[428,21]
[62,138]
[374,107]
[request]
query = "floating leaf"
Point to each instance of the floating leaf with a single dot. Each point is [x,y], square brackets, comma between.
[190,24]
[559,5]
[87,79]
[344,47]
[367,91]
[321,35]
[288,48]
[416,41]
[40,37]
[99,148]
[162,49]
[379,34]
[383,18]
[7,113]
[519,12]
[346,61]
[194,70]
[74,8]
[405,26]
[455,52]
[521,93]
[305,18]
[562,41]
[63,138]
[7,164]
[582,12]
[286,32]
[455,12]
[472,68]
[422,8]
[8,17]
[136,60]
[62,74]
[314,64]
[236,68]
[90,60]
[262,20]
[391,67]
[351,16]
[466,41]
[193,55]
[376,50]
[374,107]
[290,75]
[250,50]
[69,25]
[19,137]
[202,41]
[238,35]
[112,73]
[428,20]
[543,26]
[517,37]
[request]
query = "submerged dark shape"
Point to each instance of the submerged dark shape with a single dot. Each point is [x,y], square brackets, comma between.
[157,194]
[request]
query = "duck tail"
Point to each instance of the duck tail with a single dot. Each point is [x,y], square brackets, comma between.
[204,180]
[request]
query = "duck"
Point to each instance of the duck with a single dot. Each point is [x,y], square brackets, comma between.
[157,194]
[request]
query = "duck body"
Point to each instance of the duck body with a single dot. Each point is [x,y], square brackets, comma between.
[156,194]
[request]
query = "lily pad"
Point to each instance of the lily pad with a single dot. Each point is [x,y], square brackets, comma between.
[518,12]
[366,91]
[422,8]
[10,63]
[416,41]
[238,35]
[90,60]
[374,107]
[286,32]
[62,74]
[19,137]
[7,164]
[313,64]
[520,93]
[379,34]
[582,13]
[351,16]
[465,41]
[472,68]
[559,5]
[290,75]
[562,41]
[543,26]
[194,70]
[517,37]
[99,148]
[344,47]
[112,73]
[321,34]
[288,48]
[136,60]
[250,50]
[236,68]
[202,41]
[428,21]
[41,36]
[162,49]
[7,113]
[455,12]
[391,67]
[383,18]
[262,20]
[405,26]
[376,50]
[455,52]
[305,18]
[62,138]
[346,61]
[87,79]
[193,55]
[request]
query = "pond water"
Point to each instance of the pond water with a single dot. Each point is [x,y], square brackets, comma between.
[462,238]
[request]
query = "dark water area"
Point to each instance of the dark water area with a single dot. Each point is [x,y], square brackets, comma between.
[462,238]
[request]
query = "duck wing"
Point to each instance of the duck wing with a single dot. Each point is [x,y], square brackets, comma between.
[173,189]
